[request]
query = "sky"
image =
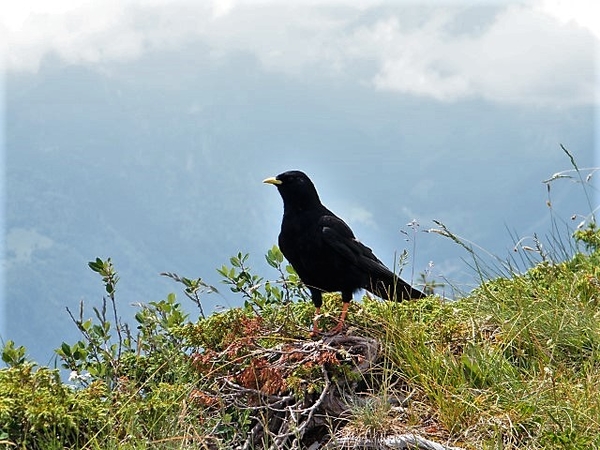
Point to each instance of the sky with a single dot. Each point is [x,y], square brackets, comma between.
[462,51]
[431,110]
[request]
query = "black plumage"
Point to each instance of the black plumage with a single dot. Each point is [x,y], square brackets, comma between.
[323,250]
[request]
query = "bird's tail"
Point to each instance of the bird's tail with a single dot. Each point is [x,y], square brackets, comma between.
[393,288]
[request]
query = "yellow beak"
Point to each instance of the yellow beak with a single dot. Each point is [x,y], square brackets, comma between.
[272,180]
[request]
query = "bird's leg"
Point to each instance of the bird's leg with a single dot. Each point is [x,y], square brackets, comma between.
[340,324]
[316,330]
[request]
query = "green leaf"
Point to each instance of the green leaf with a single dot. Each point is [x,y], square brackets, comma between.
[66,349]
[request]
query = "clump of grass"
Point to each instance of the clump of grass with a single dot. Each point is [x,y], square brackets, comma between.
[373,418]
[516,363]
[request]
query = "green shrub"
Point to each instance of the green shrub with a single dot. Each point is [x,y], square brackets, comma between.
[37,409]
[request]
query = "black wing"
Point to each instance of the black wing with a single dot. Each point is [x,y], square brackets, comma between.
[378,278]
[338,235]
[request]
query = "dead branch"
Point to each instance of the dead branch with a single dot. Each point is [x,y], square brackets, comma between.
[306,418]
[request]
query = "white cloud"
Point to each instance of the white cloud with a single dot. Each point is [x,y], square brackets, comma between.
[222,8]
[359,215]
[76,32]
[407,59]
[527,57]
[524,56]
[583,13]
[22,243]
[538,53]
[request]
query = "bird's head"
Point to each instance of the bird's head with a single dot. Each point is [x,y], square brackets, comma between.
[296,189]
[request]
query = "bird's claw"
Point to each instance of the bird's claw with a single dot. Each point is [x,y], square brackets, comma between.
[336,330]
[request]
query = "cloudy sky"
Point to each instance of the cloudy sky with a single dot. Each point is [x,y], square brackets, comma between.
[445,110]
[444,50]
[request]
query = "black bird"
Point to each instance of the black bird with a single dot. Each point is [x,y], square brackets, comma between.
[324,252]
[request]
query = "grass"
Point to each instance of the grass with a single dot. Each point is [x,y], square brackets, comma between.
[515,364]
